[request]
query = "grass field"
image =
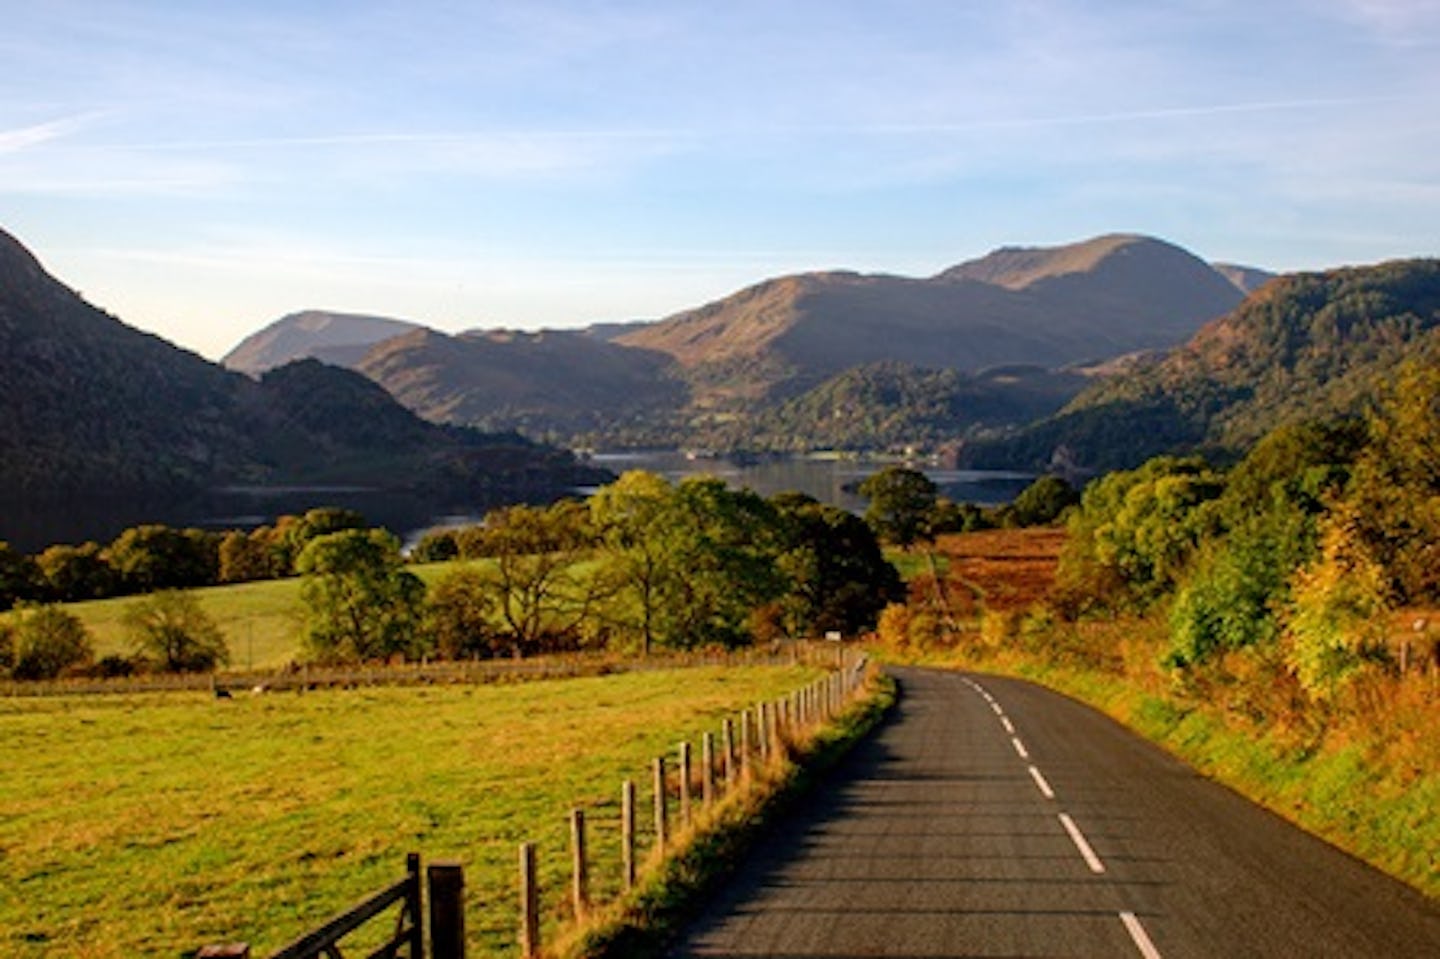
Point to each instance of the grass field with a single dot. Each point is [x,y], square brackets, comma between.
[150,825]
[261,621]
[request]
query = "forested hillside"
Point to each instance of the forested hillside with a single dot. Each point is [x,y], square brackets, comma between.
[1305,345]
[90,405]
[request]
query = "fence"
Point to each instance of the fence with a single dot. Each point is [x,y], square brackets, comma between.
[410,674]
[732,763]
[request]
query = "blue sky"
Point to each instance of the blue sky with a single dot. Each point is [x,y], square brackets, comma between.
[200,169]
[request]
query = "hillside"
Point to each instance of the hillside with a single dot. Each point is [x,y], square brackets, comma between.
[337,338]
[1247,279]
[1306,345]
[1042,307]
[551,381]
[90,405]
[890,405]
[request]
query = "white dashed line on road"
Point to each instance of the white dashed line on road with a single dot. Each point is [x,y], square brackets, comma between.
[1081,843]
[1009,726]
[1041,783]
[1141,937]
[1020,747]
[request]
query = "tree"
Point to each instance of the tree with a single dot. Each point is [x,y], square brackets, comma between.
[171,628]
[361,604]
[459,615]
[1394,492]
[151,557]
[436,546]
[1042,502]
[246,557]
[839,578]
[20,579]
[1135,532]
[7,647]
[542,595]
[904,509]
[48,641]
[631,518]
[684,565]
[76,573]
[1337,616]
[320,521]
[902,503]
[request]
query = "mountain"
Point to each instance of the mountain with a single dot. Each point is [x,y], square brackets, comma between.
[1306,345]
[554,380]
[1045,307]
[341,339]
[90,405]
[1247,279]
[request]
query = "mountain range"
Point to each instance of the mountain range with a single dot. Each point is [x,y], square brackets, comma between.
[1305,346]
[89,405]
[756,368]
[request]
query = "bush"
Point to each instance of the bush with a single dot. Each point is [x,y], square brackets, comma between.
[459,615]
[49,642]
[1336,622]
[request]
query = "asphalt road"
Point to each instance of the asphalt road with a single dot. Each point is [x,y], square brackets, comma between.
[990,817]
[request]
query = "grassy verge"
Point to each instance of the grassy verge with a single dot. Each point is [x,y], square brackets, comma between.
[642,923]
[152,824]
[1354,789]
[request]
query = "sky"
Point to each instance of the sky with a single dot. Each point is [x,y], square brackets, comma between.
[202,169]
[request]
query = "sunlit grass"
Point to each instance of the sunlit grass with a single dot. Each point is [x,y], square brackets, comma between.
[261,621]
[149,825]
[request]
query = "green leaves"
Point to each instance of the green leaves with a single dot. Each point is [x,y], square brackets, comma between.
[360,602]
[902,504]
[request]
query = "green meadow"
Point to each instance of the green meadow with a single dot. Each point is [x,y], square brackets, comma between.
[153,824]
[261,621]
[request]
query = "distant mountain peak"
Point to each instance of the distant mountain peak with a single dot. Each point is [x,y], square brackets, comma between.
[340,338]
[1247,279]
[1018,267]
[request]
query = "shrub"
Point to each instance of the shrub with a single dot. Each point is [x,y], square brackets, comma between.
[49,642]
[459,615]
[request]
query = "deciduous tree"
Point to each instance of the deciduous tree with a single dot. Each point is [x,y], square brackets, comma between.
[361,604]
[171,629]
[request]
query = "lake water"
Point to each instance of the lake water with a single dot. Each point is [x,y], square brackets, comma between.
[830,480]
[32,525]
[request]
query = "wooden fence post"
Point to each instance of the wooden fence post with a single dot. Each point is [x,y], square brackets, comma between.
[745,738]
[660,821]
[685,784]
[728,744]
[627,834]
[447,910]
[580,873]
[762,737]
[529,903]
[707,769]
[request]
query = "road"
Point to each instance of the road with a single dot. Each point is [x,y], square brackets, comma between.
[993,818]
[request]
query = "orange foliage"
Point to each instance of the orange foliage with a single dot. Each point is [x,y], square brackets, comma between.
[1005,569]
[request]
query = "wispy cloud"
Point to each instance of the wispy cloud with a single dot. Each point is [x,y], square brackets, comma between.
[28,137]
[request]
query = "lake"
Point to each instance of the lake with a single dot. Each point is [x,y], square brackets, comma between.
[31,525]
[828,479]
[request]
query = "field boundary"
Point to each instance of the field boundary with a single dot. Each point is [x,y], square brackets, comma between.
[441,672]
